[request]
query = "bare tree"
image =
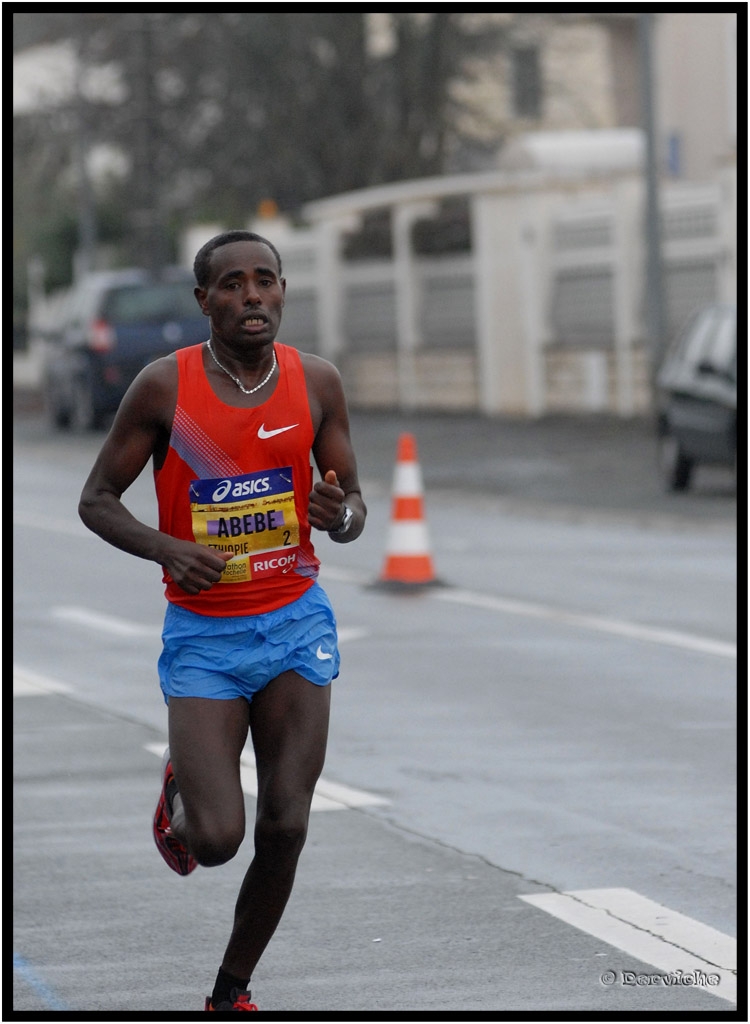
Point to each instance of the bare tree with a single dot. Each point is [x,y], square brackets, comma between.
[223,110]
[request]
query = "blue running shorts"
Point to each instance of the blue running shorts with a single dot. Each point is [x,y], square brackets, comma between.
[223,657]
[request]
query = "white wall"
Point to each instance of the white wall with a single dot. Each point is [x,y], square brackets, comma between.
[696,76]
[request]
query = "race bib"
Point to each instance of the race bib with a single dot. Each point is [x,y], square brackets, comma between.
[253,516]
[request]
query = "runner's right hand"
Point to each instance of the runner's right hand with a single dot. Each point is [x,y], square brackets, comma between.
[194,567]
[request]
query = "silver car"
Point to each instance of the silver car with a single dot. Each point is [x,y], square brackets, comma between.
[696,397]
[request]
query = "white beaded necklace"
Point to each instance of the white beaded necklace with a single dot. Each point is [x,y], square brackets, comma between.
[237,381]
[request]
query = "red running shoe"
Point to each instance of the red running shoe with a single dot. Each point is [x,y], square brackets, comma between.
[172,850]
[239,1001]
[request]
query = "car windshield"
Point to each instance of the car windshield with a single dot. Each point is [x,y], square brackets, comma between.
[714,341]
[153,302]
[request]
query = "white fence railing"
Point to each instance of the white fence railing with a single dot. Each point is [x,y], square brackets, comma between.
[544,314]
[581,258]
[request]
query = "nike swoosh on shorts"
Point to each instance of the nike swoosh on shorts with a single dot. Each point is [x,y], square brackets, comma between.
[263,433]
[321,654]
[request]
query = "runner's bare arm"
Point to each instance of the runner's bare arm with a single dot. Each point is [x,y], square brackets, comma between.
[333,452]
[140,431]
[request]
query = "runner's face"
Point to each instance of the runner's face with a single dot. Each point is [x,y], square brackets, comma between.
[245,294]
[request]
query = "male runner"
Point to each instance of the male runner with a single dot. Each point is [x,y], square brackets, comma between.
[249,640]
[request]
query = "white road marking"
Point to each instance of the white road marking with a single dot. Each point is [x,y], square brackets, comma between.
[104,623]
[35,521]
[348,633]
[330,572]
[31,684]
[488,602]
[126,627]
[618,627]
[328,796]
[511,606]
[650,932]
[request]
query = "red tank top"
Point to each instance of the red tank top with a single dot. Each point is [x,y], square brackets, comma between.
[239,480]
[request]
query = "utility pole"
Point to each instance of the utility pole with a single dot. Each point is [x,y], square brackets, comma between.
[147,213]
[84,258]
[656,319]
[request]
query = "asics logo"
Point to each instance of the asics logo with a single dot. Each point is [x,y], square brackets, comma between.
[240,488]
[263,433]
[321,654]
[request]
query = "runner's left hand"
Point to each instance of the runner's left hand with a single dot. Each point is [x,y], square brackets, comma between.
[325,501]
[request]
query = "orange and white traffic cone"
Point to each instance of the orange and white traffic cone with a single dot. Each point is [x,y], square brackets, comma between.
[408,560]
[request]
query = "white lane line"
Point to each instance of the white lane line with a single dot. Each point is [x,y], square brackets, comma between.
[688,951]
[631,630]
[616,627]
[126,627]
[103,623]
[330,572]
[328,796]
[35,521]
[31,684]
[348,633]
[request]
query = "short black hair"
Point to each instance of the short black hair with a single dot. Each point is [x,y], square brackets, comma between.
[202,262]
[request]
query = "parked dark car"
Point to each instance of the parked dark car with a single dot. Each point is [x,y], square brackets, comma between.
[110,326]
[696,396]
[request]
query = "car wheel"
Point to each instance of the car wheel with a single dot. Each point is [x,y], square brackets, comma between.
[82,414]
[676,468]
[56,412]
[58,417]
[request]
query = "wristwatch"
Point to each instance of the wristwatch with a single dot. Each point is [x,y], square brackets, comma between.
[346,522]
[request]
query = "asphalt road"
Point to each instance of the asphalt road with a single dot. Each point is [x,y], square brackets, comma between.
[558,718]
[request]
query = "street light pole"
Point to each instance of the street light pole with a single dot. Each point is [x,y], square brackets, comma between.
[147,213]
[656,320]
[84,258]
